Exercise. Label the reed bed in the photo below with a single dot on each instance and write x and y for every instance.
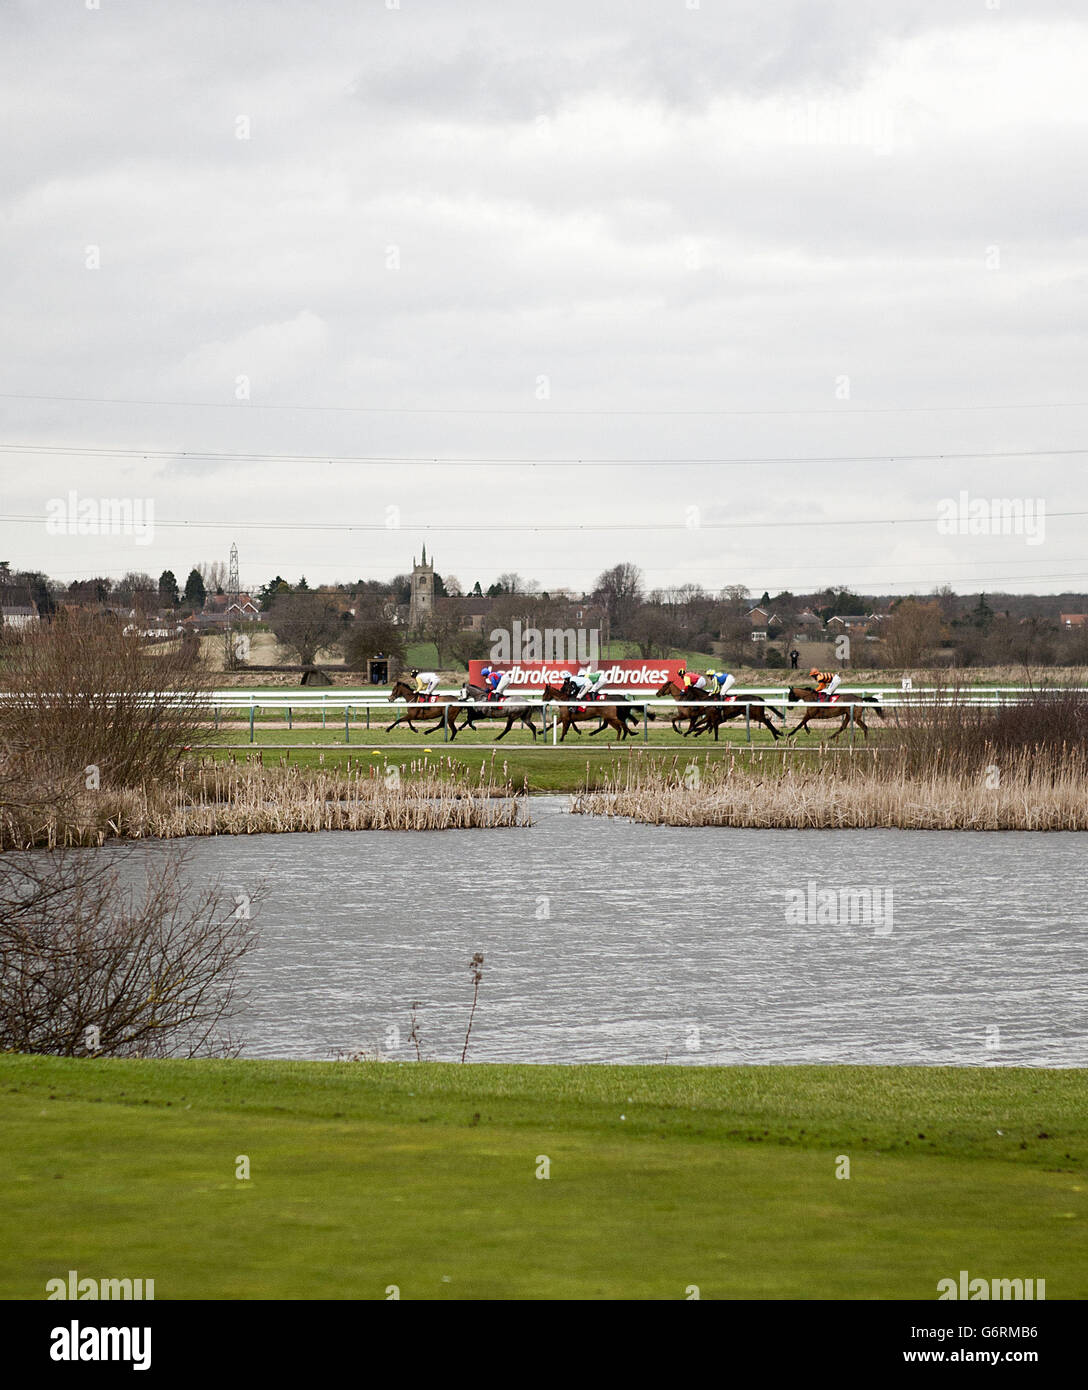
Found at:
(211, 798)
(1022, 792)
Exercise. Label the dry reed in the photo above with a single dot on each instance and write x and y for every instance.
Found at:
(1016, 793)
(250, 799)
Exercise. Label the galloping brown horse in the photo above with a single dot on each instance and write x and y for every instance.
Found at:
(421, 709)
(831, 709)
(713, 716)
(612, 716)
(512, 711)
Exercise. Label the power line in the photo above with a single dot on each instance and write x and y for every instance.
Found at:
(738, 460)
(529, 527)
(545, 412)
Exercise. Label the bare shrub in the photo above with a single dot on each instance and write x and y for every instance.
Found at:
(93, 965)
(81, 693)
(1045, 729)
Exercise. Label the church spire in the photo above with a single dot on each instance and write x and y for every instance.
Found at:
(423, 561)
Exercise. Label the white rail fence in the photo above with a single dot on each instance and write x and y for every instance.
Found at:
(225, 703)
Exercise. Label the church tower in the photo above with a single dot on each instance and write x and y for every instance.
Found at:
(421, 607)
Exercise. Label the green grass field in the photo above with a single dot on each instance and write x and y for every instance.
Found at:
(543, 769)
(367, 1175)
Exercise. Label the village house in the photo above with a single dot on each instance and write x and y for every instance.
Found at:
(17, 607)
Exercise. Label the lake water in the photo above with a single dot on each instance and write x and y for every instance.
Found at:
(611, 942)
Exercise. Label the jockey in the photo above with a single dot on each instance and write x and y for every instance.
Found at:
(495, 682)
(720, 683)
(692, 680)
(587, 684)
(827, 682)
(426, 683)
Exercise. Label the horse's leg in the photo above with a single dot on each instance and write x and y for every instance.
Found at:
(528, 719)
(803, 723)
(838, 731)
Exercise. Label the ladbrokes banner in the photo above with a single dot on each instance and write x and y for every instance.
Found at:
(618, 675)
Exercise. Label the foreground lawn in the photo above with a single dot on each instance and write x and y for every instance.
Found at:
(366, 1175)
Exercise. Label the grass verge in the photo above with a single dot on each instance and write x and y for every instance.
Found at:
(366, 1175)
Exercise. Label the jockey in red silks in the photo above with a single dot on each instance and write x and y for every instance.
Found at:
(495, 682)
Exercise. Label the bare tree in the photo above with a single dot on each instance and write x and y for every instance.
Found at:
(93, 964)
(215, 574)
(651, 629)
(137, 590)
(86, 695)
(306, 623)
(736, 598)
(620, 590)
(910, 631)
(374, 633)
(467, 644)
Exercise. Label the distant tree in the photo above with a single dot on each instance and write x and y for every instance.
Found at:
(451, 585)
(195, 593)
(440, 628)
(736, 598)
(650, 627)
(306, 623)
(467, 644)
(274, 589)
(401, 586)
(947, 601)
(137, 590)
(372, 634)
(214, 573)
(477, 592)
(90, 591)
(302, 587)
(41, 590)
(910, 631)
(983, 615)
(619, 589)
(168, 589)
(835, 602)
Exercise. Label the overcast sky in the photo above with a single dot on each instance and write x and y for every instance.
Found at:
(582, 230)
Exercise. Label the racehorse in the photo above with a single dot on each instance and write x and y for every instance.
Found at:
(831, 709)
(420, 709)
(611, 715)
(512, 711)
(717, 714)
